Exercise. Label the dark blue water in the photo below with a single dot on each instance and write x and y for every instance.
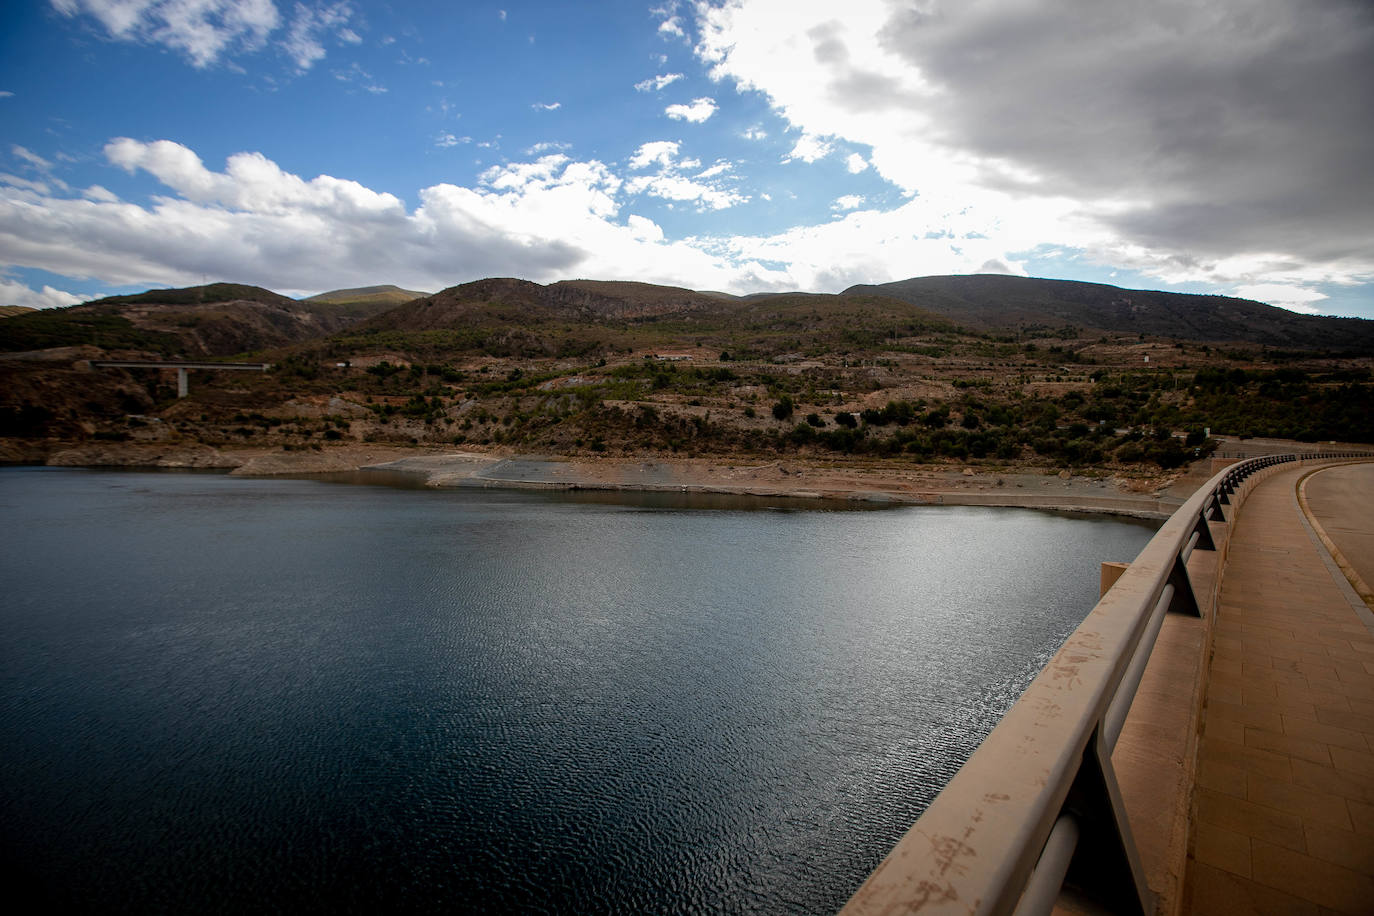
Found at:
(225, 695)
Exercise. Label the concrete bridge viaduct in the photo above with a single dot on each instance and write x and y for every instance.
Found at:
(182, 367)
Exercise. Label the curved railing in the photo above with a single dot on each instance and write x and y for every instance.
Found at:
(1038, 800)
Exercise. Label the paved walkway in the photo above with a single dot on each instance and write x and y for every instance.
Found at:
(1284, 804)
(1342, 499)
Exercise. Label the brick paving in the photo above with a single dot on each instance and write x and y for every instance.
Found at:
(1283, 810)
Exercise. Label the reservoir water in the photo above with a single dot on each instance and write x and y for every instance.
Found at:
(232, 695)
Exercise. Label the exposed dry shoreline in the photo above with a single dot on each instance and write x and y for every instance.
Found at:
(788, 477)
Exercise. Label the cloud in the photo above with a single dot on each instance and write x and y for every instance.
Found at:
(671, 26)
(31, 158)
(662, 152)
(12, 292)
(6, 94)
(26, 184)
(34, 163)
(354, 73)
(446, 140)
(848, 202)
(547, 106)
(657, 83)
(1225, 142)
(855, 163)
(1293, 298)
(809, 149)
(670, 183)
(546, 219)
(697, 112)
(202, 30)
(206, 31)
(304, 42)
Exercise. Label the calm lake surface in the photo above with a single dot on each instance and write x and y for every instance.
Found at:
(233, 695)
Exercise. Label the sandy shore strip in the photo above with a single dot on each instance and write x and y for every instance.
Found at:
(852, 481)
(796, 479)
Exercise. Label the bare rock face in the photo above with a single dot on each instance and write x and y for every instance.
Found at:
(51, 400)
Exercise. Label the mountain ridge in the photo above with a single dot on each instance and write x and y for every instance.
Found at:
(222, 319)
(1008, 303)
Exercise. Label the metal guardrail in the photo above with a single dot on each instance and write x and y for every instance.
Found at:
(1038, 801)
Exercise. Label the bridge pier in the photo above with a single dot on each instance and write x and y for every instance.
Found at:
(181, 366)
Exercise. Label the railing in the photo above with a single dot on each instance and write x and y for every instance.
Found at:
(1038, 801)
(1306, 456)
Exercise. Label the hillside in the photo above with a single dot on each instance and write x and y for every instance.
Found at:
(12, 311)
(1005, 303)
(508, 317)
(211, 294)
(635, 371)
(510, 300)
(220, 319)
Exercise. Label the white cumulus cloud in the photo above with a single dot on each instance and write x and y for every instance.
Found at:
(12, 292)
(670, 182)
(657, 82)
(547, 219)
(697, 112)
(810, 148)
(1293, 298)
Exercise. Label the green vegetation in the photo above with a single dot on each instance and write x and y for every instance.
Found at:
(63, 328)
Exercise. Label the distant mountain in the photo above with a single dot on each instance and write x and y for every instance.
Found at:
(10, 311)
(364, 301)
(387, 291)
(1006, 303)
(220, 319)
(514, 300)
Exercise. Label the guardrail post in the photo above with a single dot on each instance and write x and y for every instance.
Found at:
(1105, 864)
(1204, 534)
(1184, 600)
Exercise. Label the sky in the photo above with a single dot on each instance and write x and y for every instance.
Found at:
(733, 145)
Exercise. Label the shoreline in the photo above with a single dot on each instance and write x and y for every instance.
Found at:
(785, 478)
